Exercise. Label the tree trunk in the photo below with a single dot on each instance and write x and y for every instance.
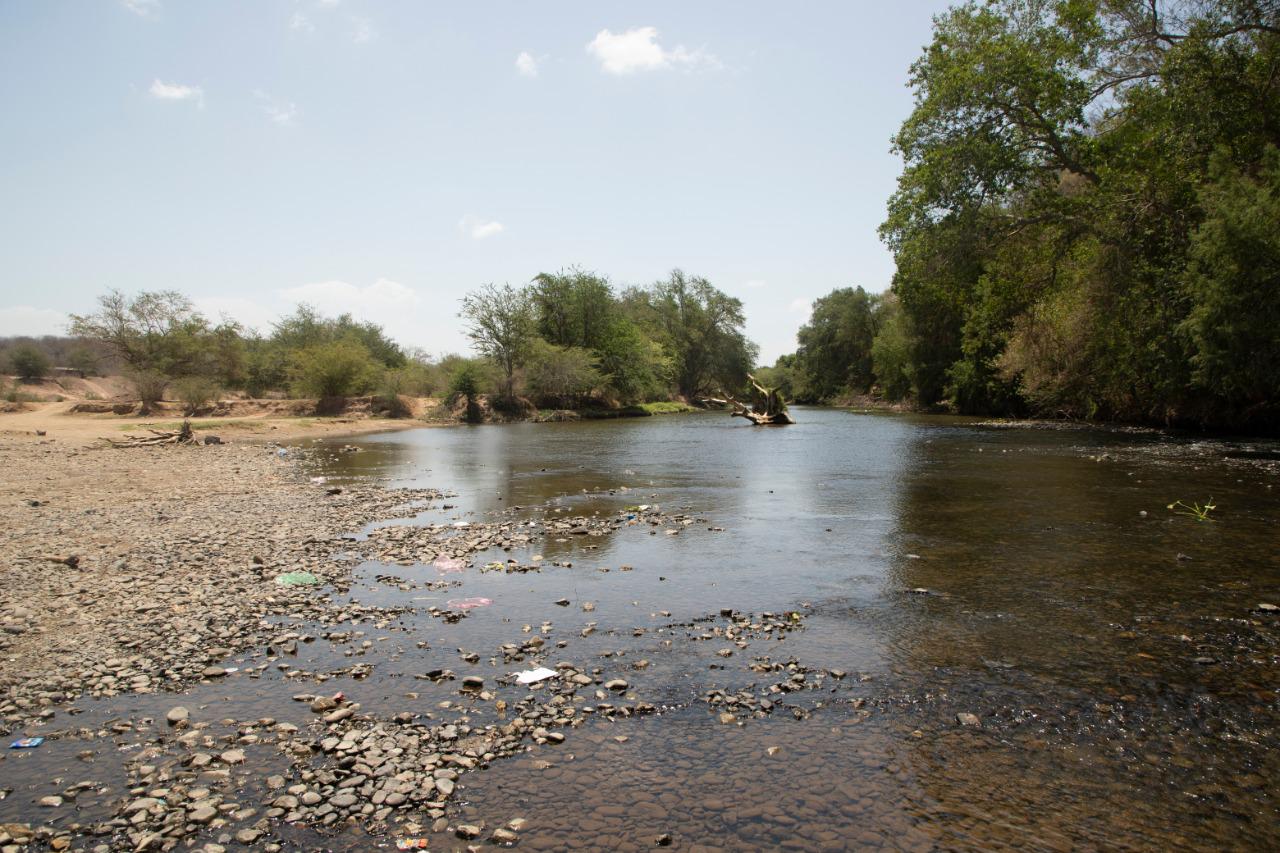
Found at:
(767, 406)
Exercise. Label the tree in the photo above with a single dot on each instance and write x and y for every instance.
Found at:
(701, 329)
(1235, 278)
(338, 369)
(636, 368)
(572, 308)
(28, 361)
(501, 327)
(464, 384)
(834, 353)
(561, 377)
(154, 331)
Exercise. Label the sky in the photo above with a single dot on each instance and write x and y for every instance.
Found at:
(383, 158)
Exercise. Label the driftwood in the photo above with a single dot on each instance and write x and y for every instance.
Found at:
(767, 406)
(180, 436)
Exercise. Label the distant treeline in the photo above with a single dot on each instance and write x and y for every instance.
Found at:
(1088, 223)
(565, 340)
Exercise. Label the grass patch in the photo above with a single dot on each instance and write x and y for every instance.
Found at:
(666, 407)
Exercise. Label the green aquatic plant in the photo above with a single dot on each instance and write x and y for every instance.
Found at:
(1196, 511)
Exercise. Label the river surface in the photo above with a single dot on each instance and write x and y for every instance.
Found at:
(1123, 682)
(998, 637)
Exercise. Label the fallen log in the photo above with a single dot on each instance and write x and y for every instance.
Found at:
(767, 406)
(157, 437)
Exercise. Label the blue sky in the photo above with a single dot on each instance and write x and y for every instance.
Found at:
(384, 158)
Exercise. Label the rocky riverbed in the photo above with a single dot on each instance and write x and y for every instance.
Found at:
(245, 647)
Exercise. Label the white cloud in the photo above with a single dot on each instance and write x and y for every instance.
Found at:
(300, 21)
(176, 92)
(526, 64)
(637, 49)
(756, 284)
(142, 8)
(364, 31)
(330, 3)
(26, 320)
(479, 228)
(281, 113)
(800, 305)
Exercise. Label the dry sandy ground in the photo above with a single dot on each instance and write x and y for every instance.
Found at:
(59, 422)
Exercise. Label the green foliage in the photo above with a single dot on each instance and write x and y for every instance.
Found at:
(699, 327)
(1085, 223)
(891, 350)
(561, 377)
(636, 367)
(28, 362)
(158, 332)
(340, 368)
(1234, 277)
(501, 327)
(834, 353)
(573, 308)
(782, 376)
(306, 328)
(196, 393)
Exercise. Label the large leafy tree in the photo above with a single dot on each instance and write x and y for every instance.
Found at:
(700, 327)
(834, 352)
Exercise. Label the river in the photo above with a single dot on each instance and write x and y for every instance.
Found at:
(1123, 683)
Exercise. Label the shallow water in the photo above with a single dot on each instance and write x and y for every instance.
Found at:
(1125, 685)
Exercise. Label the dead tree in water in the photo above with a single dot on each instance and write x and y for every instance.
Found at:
(767, 406)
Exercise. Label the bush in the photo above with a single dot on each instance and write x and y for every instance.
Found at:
(82, 361)
(29, 362)
(465, 385)
(148, 386)
(561, 376)
(338, 369)
(196, 394)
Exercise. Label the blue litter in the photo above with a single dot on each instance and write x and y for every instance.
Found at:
(26, 743)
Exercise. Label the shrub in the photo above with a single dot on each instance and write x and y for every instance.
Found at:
(465, 385)
(196, 393)
(338, 369)
(28, 362)
(561, 376)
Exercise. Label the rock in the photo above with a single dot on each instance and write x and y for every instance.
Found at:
(248, 836)
(202, 814)
(966, 719)
(1263, 607)
(342, 801)
(445, 787)
(467, 830)
(728, 719)
(323, 704)
(564, 602)
(51, 802)
(177, 715)
(233, 756)
(214, 672)
(618, 684)
(503, 835)
(472, 683)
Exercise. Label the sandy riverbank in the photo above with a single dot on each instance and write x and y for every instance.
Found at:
(58, 421)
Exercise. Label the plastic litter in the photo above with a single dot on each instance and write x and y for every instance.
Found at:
(282, 452)
(26, 743)
(412, 843)
(469, 603)
(318, 480)
(448, 564)
(297, 579)
(533, 676)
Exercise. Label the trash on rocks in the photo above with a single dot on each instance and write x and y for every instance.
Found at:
(469, 603)
(297, 579)
(282, 452)
(449, 564)
(319, 481)
(533, 676)
(26, 743)
(412, 843)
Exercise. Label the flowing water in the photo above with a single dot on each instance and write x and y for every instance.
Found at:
(1122, 680)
